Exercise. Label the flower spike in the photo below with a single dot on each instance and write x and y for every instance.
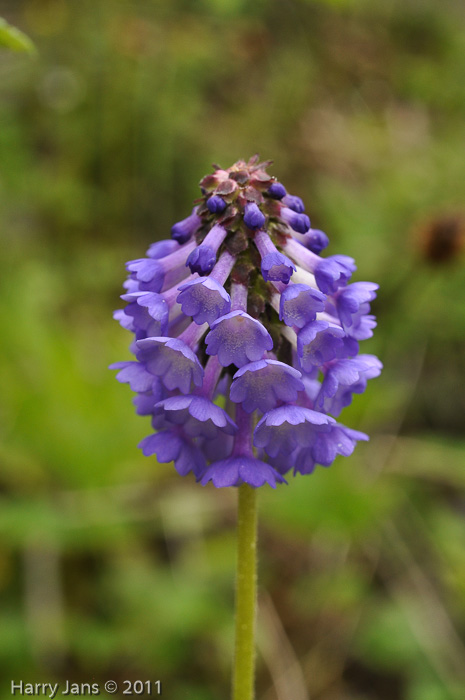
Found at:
(246, 339)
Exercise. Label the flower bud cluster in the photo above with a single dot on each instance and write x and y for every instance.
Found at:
(246, 341)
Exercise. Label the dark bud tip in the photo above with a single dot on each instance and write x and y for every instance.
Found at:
(253, 217)
(216, 204)
(277, 191)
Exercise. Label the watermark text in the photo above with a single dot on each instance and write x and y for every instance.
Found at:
(51, 690)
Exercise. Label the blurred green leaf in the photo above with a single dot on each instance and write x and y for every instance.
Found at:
(13, 38)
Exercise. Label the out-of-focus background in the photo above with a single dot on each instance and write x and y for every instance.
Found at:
(113, 567)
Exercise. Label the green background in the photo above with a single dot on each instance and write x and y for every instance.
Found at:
(113, 567)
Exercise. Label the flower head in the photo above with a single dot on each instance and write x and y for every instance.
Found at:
(245, 339)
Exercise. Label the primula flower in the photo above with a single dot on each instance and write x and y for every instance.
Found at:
(245, 338)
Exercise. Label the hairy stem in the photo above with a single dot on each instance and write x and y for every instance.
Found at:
(246, 595)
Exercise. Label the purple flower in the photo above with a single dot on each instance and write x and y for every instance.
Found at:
(294, 203)
(147, 270)
(283, 429)
(214, 342)
(253, 217)
(155, 304)
(216, 204)
(161, 249)
(352, 299)
(320, 341)
(124, 320)
(277, 191)
(262, 384)
(172, 446)
(303, 461)
(282, 464)
(149, 310)
(304, 257)
(218, 448)
(134, 374)
(172, 360)
(145, 401)
(204, 299)
(362, 324)
(183, 230)
(203, 258)
(277, 268)
(340, 440)
(334, 272)
(299, 305)
(237, 339)
(298, 222)
(199, 416)
(343, 378)
(315, 240)
(235, 471)
(241, 466)
(153, 275)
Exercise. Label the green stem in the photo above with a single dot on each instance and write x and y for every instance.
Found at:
(246, 595)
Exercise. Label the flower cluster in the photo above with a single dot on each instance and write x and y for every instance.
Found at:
(246, 341)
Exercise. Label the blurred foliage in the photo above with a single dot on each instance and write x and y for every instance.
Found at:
(112, 566)
(13, 38)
